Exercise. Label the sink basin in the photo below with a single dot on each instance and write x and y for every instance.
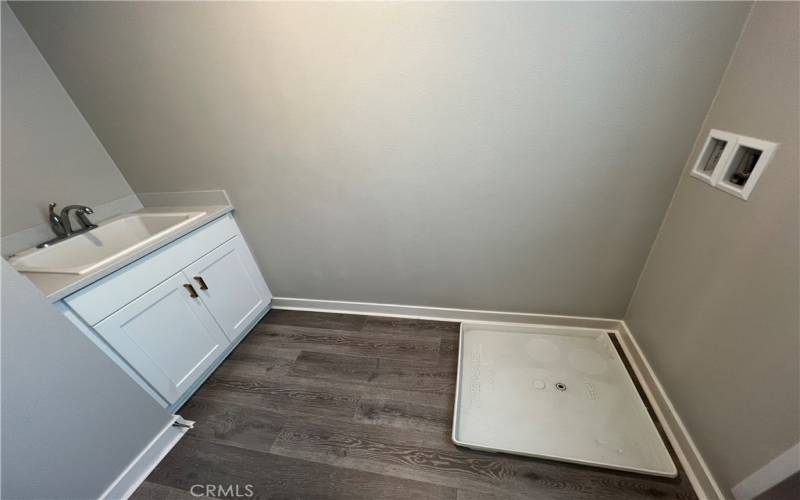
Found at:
(102, 246)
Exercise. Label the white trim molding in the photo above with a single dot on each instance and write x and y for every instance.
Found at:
(439, 313)
(773, 473)
(697, 471)
(144, 463)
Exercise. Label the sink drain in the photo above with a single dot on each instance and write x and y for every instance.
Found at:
(561, 386)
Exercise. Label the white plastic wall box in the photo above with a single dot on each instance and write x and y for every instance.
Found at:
(724, 154)
(705, 167)
(175, 314)
(764, 150)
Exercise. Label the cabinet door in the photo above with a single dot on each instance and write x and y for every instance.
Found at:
(230, 285)
(167, 336)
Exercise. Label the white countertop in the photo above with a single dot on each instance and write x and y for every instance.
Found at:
(57, 286)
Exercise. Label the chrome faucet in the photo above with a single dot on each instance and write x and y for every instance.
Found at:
(81, 212)
(56, 223)
(61, 225)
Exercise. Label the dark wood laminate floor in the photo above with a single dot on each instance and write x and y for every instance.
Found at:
(334, 406)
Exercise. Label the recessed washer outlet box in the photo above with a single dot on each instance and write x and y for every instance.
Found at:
(733, 163)
(716, 151)
(748, 161)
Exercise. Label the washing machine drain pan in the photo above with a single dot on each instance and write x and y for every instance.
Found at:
(553, 392)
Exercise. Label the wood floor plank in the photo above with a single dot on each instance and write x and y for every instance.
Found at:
(194, 461)
(407, 326)
(257, 365)
(327, 321)
(253, 371)
(284, 398)
(335, 367)
(448, 352)
(344, 342)
(476, 495)
(270, 357)
(155, 491)
(395, 454)
(435, 399)
(404, 414)
(232, 424)
(389, 373)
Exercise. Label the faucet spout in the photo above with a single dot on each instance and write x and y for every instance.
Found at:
(81, 213)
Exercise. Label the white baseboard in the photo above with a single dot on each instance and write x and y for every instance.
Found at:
(696, 469)
(144, 463)
(773, 473)
(689, 456)
(439, 313)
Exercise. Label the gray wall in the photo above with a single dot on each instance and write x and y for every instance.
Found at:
(716, 310)
(494, 156)
(49, 151)
(72, 420)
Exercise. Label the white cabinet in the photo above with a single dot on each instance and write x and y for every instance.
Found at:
(171, 317)
(167, 336)
(228, 283)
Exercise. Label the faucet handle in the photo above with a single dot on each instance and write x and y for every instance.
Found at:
(57, 223)
(81, 213)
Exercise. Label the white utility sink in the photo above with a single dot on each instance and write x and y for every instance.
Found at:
(103, 245)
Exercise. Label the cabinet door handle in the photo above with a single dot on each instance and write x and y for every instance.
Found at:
(202, 282)
(192, 291)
